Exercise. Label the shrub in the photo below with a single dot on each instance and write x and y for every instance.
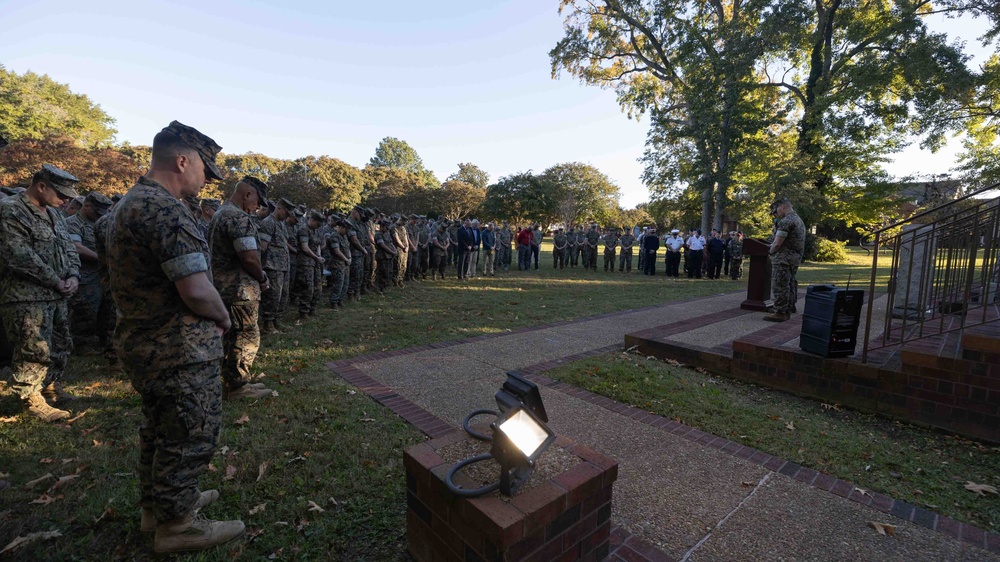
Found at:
(821, 249)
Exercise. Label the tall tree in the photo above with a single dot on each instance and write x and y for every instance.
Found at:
(472, 175)
(457, 199)
(583, 192)
(396, 190)
(101, 169)
(34, 106)
(522, 197)
(397, 154)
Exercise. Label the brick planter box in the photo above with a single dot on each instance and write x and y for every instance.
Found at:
(566, 517)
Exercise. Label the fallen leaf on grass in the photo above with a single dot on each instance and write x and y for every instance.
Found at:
(4, 475)
(883, 528)
(314, 507)
(243, 419)
(230, 472)
(274, 394)
(46, 499)
(99, 443)
(253, 532)
(89, 430)
(67, 461)
(109, 512)
(76, 417)
(790, 426)
(831, 407)
(981, 489)
(37, 481)
(262, 469)
(47, 461)
(277, 553)
(862, 492)
(30, 538)
(211, 468)
(8, 419)
(259, 508)
(62, 481)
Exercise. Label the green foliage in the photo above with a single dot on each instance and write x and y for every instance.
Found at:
(396, 154)
(824, 250)
(396, 190)
(102, 169)
(320, 182)
(583, 193)
(457, 199)
(34, 107)
(522, 197)
(472, 175)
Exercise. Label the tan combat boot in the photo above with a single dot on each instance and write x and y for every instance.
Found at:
(247, 391)
(38, 407)
(148, 522)
(270, 327)
(55, 392)
(194, 532)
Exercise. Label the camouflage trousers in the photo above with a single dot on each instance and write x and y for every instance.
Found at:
(439, 261)
(240, 343)
(558, 258)
(308, 286)
(624, 261)
(574, 255)
(736, 268)
(182, 410)
(383, 274)
(368, 277)
(107, 317)
(84, 306)
(356, 274)
(503, 256)
(339, 280)
(400, 270)
(423, 261)
(784, 287)
(412, 266)
(274, 301)
(293, 269)
(609, 260)
(39, 335)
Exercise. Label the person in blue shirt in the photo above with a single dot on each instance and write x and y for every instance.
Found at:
(650, 244)
(716, 252)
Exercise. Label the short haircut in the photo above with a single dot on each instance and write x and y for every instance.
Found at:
(39, 177)
(167, 145)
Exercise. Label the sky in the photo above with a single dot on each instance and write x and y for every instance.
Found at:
(460, 81)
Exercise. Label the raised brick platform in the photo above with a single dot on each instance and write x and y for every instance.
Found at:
(567, 517)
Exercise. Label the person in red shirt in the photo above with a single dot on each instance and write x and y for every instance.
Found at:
(524, 249)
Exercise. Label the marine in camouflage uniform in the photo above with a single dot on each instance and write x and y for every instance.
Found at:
(412, 269)
(39, 269)
(736, 257)
(610, 247)
(168, 338)
(340, 251)
(440, 243)
(593, 242)
(276, 265)
(309, 277)
(423, 247)
(453, 248)
(356, 234)
(385, 255)
(786, 254)
(367, 238)
(625, 258)
(238, 276)
(572, 248)
(402, 242)
(291, 234)
(107, 315)
(504, 238)
(86, 302)
(559, 250)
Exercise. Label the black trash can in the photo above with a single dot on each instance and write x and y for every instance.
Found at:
(830, 320)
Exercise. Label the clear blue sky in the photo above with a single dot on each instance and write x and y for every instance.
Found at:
(461, 81)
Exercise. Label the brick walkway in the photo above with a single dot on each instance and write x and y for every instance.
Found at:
(682, 494)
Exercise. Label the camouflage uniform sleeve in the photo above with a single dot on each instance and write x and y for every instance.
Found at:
(75, 229)
(784, 227)
(241, 230)
(71, 253)
(181, 246)
(17, 253)
(265, 231)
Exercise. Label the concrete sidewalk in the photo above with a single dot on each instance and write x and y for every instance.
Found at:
(682, 494)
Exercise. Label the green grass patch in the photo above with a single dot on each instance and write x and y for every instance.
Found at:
(321, 438)
(923, 467)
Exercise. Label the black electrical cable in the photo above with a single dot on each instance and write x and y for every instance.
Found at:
(474, 433)
(474, 492)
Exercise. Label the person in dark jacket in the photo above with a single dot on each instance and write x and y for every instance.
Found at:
(466, 241)
(650, 244)
(716, 251)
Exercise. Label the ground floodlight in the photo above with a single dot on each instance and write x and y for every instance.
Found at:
(519, 438)
(519, 391)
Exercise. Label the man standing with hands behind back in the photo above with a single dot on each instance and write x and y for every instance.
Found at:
(169, 338)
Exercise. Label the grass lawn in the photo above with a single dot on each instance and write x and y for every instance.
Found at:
(923, 467)
(322, 441)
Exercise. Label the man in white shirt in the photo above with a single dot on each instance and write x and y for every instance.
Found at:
(673, 243)
(696, 248)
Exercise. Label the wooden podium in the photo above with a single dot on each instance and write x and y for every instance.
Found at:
(759, 280)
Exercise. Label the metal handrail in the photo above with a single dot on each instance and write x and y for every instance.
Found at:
(921, 214)
(949, 274)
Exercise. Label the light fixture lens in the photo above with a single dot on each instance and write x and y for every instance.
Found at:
(524, 432)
